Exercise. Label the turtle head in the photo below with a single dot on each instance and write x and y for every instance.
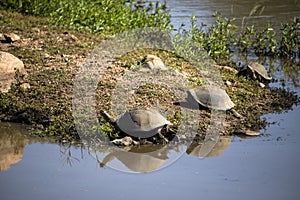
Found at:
(251, 71)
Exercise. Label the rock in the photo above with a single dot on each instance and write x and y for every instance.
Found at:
(154, 62)
(262, 85)
(183, 137)
(227, 68)
(252, 133)
(25, 86)
(2, 38)
(36, 30)
(73, 37)
(247, 133)
(125, 141)
(228, 83)
(11, 37)
(8, 65)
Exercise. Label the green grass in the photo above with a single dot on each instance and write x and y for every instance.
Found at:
(104, 16)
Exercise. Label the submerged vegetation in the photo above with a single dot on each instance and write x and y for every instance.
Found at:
(57, 35)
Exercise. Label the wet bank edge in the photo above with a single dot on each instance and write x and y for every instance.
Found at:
(52, 67)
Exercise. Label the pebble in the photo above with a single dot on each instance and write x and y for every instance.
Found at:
(262, 85)
(248, 133)
(154, 62)
(25, 86)
(11, 37)
(125, 141)
(228, 83)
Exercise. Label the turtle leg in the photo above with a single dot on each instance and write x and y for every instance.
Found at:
(163, 137)
(107, 159)
(235, 113)
(108, 117)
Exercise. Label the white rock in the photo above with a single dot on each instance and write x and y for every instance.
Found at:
(11, 37)
(262, 85)
(126, 141)
(228, 83)
(154, 62)
(8, 65)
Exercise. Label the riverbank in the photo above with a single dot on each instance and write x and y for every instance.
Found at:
(52, 57)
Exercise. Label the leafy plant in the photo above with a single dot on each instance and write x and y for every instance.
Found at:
(95, 15)
(244, 42)
(219, 37)
(223, 38)
(265, 42)
(290, 41)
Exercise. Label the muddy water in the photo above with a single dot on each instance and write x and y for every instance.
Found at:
(265, 167)
(274, 12)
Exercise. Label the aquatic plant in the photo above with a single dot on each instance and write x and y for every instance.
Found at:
(217, 39)
(224, 37)
(245, 39)
(265, 42)
(290, 41)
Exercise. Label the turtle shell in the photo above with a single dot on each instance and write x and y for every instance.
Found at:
(211, 97)
(142, 123)
(259, 69)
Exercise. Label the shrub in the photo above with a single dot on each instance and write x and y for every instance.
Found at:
(108, 16)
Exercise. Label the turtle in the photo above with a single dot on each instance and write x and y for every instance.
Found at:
(140, 123)
(212, 97)
(256, 71)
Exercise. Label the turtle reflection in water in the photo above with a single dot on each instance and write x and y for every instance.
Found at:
(145, 158)
(141, 123)
(212, 97)
(202, 149)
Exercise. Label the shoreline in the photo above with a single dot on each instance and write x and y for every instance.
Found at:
(52, 57)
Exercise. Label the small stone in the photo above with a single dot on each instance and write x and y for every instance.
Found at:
(73, 37)
(36, 30)
(262, 85)
(248, 133)
(135, 142)
(236, 114)
(227, 68)
(154, 62)
(183, 137)
(40, 126)
(25, 86)
(252, 133)
(125, 141)
(228, 83)
(11, 37)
